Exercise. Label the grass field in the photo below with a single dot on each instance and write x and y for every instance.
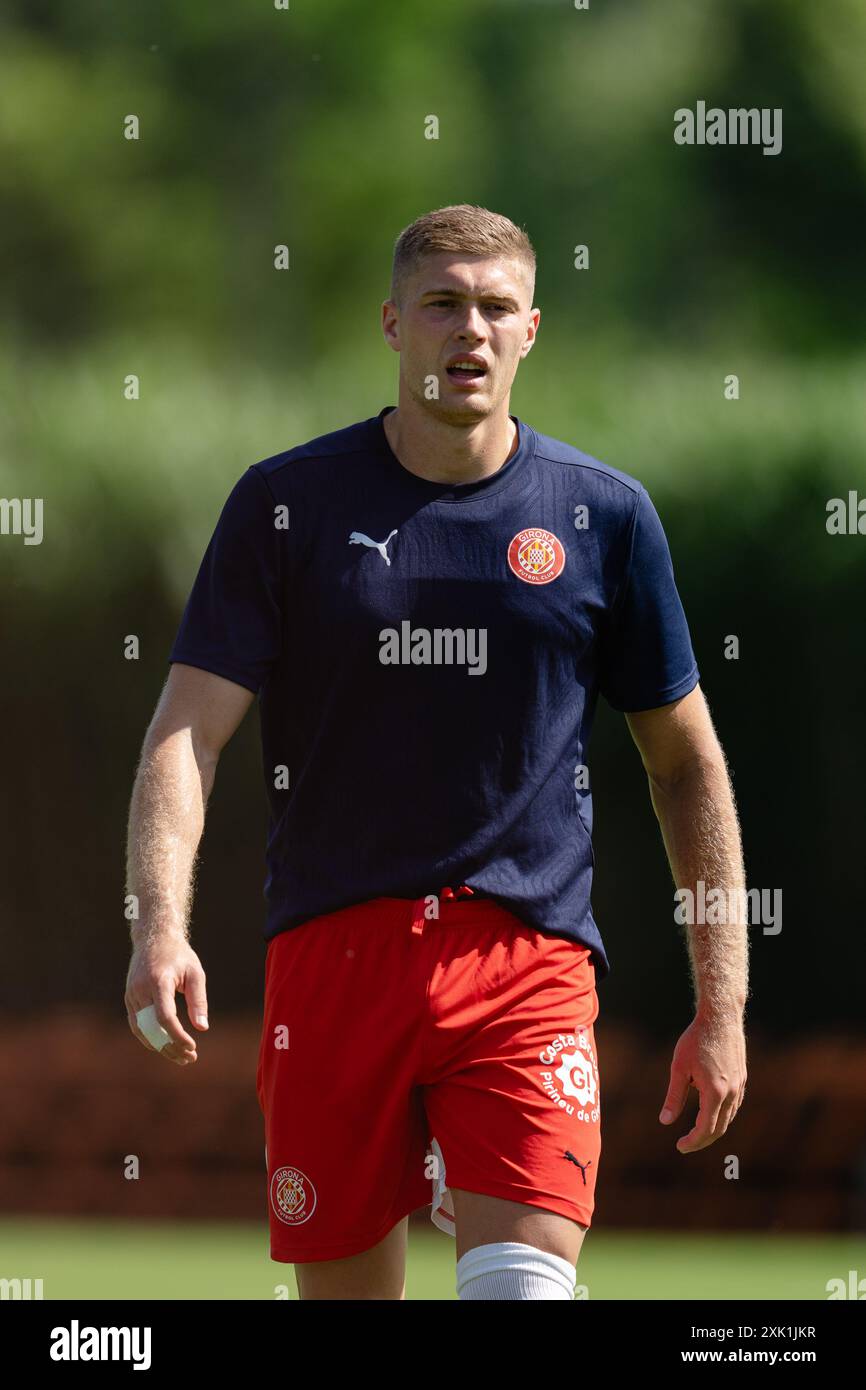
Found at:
(103, 1259)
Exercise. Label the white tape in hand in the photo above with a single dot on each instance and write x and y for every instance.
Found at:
(149, 1025)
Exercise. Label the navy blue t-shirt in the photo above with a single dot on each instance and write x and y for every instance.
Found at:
(427, 660)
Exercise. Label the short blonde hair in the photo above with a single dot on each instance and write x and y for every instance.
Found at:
(465, 228)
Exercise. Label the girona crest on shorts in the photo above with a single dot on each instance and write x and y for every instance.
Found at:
(293, 1196)
(576, 1076)
(536, 556)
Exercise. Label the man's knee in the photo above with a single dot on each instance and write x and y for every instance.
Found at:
(483, 1220)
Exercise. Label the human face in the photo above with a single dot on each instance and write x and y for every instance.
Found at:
(462, 308)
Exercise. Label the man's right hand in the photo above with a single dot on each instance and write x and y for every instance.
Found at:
(158, 971)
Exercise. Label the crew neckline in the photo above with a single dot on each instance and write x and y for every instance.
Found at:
(434, 491)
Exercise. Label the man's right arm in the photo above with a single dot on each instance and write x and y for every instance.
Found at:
(197, 714)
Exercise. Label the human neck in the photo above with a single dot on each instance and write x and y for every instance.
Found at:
(444, 453)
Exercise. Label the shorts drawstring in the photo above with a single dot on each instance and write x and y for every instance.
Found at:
(419, 906)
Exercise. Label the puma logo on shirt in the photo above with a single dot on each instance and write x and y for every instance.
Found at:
(358, 538)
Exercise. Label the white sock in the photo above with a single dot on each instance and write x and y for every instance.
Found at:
(511, 1270)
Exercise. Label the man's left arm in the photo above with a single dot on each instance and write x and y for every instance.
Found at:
(693, 800)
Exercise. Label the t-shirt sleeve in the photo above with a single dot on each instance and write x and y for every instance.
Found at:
(647, 658)
(232, 623)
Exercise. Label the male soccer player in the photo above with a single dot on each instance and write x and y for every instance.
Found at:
(428, 604)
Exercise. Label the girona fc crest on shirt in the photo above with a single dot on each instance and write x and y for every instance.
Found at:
(536, 555)
(293, 1196)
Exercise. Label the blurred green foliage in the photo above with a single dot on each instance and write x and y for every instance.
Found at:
(306, 127)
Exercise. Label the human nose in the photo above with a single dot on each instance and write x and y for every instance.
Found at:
(472, 324)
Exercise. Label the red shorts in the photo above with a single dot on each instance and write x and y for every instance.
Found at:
(397, 1051)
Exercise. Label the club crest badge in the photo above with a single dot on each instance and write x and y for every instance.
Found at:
(536, 556)
(293, 1196)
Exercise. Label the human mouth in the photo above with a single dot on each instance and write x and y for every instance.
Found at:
(467, 370)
